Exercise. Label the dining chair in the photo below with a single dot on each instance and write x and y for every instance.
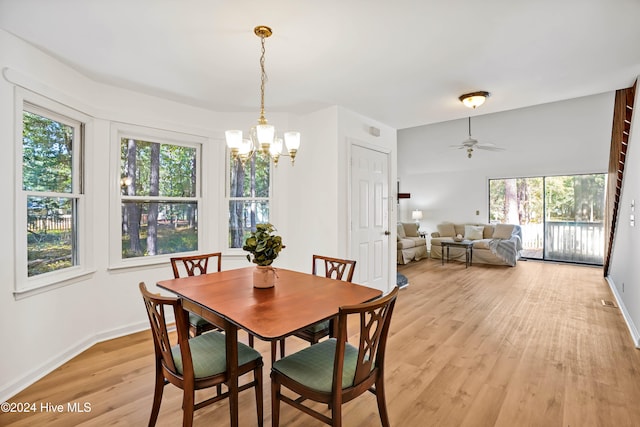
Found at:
(334, 268)
(194, 265)
(194, 363)
(333, 371)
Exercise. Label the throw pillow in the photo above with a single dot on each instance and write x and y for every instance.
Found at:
(446, 230)
(473, 232)
(488, 231)
(401, 234)
(410, 229)
(503, 231)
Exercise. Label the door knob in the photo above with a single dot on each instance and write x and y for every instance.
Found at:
(387, 232)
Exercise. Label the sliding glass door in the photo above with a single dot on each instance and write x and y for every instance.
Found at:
(562, 217)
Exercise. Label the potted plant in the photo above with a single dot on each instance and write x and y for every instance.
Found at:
(263, 247)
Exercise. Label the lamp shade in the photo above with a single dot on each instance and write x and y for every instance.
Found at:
(292, 140)
(276, 147)
(474, 99)
(245, 147)
(416, 214)
(234, 138)
(265, 134)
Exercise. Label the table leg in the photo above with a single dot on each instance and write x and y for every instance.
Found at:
(470, 256)
(231, 342)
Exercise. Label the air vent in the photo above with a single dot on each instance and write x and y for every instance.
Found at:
(609, 304)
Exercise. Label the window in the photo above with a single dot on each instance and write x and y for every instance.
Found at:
(562, 217)
(159, 194)
(50, 199)
(249, 196)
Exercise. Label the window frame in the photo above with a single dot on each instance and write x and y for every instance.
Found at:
(228, 199)
(161, 136)
(25, 286)
(546, 221)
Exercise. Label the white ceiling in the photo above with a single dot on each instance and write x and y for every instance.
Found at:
(401, 62)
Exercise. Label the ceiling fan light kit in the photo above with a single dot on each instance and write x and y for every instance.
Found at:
(474, 99)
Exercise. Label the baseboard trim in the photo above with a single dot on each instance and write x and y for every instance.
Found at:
(635, 335)
(10, 390)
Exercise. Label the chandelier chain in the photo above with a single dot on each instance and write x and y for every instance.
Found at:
(263, 78)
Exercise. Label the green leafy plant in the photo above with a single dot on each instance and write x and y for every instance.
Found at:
(263, 245)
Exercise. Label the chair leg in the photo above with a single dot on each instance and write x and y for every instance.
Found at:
(257, 376)
(336, 413)
(382, 404)
(275, 403)
(157, 395)
(188, 402)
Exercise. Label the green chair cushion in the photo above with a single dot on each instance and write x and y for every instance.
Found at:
(320, 326)
(313, 366)
(196, 320)
(209, 354)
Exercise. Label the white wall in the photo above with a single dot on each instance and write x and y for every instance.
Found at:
(311, 226)
(624, 271)
(42, 331)
(319, 186)
(567, 137)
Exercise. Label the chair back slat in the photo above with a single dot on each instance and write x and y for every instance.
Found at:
(335, 268)
(195, 264)
(156, 306)
(374, 320)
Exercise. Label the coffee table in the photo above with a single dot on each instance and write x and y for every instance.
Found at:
(467, 245)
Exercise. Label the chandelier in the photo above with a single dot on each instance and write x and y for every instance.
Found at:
(262, 136)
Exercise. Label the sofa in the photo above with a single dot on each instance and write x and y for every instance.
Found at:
(411, 246)
(497, 244)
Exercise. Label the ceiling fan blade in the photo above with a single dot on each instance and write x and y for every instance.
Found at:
(458, 146)
(489, 147)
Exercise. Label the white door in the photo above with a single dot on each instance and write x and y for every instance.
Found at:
(370, 216)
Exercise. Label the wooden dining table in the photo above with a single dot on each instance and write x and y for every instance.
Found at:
(229, 300)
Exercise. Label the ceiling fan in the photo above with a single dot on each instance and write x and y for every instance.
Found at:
(471, 143)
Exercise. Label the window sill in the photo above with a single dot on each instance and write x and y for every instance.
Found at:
(142, 262)
(71, 279)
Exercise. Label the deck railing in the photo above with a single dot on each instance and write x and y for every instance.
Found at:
(572, 241)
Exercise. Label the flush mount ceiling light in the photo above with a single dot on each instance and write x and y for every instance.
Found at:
(474, 99)
(262, 136)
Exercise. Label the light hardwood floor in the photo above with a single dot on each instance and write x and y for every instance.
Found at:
(483, 346)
